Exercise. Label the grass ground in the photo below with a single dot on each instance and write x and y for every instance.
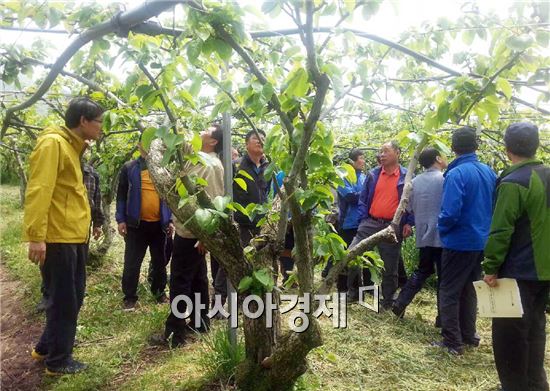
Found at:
(375, 352)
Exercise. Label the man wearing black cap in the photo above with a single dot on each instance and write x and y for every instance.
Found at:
(519, 247)
(463, 224)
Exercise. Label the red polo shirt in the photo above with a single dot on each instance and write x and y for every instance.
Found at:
(385, 199)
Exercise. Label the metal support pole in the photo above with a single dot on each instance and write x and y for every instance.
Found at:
(228, 184)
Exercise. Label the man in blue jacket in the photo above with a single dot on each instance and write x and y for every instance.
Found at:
(378, 202)
(144, 220)
(463, 224)
(348, 207)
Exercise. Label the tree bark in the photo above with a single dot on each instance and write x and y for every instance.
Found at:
(22, 177)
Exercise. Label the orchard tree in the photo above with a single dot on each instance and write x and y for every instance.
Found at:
(317, 88)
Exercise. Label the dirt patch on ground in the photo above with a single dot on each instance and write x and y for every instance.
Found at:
(19, 331)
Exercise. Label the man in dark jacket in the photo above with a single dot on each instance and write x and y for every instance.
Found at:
(378, 203)
(144, 220)
(463, 224)
(250, 169)
(519, 247)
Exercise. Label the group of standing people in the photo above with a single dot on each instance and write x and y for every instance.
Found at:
(465, 219)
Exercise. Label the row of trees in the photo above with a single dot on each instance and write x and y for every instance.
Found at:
(317, 88)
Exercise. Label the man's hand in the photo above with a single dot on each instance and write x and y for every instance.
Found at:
(37, 252)
(122, 230)
(170, 229)
(201, 249)
(407, 230)
(96, 233)
(491, 280)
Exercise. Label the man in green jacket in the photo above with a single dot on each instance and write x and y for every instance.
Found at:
(519, 247)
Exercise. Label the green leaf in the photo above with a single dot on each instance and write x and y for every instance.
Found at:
(505, 86)
(193, 51)
(172, 140)
(310, 202)
(298, 84)
(468, 36)
(351, 174)
(182, 202)
(245, 174)
(519, 42)
(430, 122)
(196, 142)
(291, 280)
(220, 203)
(268, 6)
(543, 38)
(443, 112)
(201, 181)
(264, 277)
(222, 48)
(147, 137)
(370, 8)
(245, 284)
(204, 218)
(241, 182)
(180, 188)
(442, 147)
(185, 95)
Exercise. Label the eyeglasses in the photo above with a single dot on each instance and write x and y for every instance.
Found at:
(100, 121)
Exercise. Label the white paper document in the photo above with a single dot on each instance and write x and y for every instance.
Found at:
(502, 301)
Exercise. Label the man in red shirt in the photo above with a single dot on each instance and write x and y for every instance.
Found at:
(377, 205)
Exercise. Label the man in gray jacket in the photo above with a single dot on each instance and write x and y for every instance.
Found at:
(425, 204)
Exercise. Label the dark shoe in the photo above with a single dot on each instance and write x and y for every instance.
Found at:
(161, 341)
(474, 343)
(204, 328)
(70, 369)
(452, 351)
(386, 305)
(129, 305)
(398, 310)
(41, 307)
(352, 298)
(158, 340)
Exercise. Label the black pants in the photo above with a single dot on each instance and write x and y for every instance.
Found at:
(219, 278)
(188, 275)
(148, 234)
(429, 263)
(247, 232)
(64, 274)
(402, 278)
(390, 254)
(519, 343)
(457, 297)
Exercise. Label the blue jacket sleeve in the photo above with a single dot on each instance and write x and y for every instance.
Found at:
(122, 195)
(452, 201)
(348, 193)
(363, 209)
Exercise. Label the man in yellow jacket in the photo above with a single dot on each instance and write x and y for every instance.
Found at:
(57, 225)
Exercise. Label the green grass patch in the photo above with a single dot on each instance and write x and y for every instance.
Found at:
(375, 351)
